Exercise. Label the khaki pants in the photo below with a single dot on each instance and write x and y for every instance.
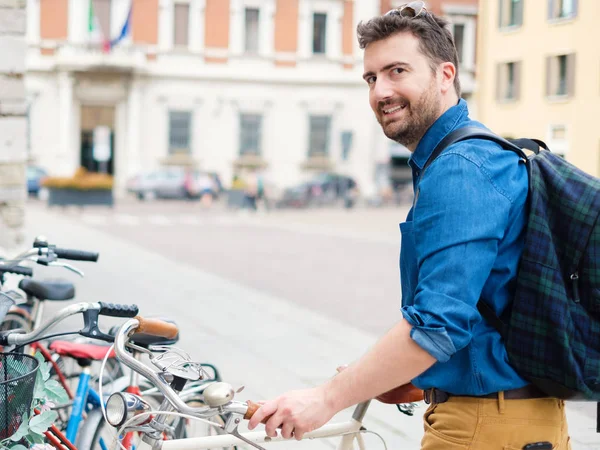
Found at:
(468, 423)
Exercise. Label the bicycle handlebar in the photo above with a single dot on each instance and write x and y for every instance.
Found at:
(90, 312)
(117, 310)
(18, 270)
(75, 255)
(157, 327)
(133, 326)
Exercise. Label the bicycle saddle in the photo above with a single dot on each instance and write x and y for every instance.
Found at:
(81, 351)
(48, 290)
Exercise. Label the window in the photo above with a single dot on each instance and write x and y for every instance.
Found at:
(180, 127)
(508, 81)
(181, 21)
(511, 13)
(319, 33)
(562, 9)
(250, 134)
(558, 139)
(251, 30)
(560, 76)
(459, 40)
(320, 130)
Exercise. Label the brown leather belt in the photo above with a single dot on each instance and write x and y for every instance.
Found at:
(434, 395)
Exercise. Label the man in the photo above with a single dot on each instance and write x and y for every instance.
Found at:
(461, 242)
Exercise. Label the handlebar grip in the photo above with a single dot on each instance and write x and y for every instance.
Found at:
(157, 327)
(252, 408)
(76, 255)
(116, 310)
(18, 270)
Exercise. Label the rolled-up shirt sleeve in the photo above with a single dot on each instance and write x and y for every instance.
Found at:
(459, 217)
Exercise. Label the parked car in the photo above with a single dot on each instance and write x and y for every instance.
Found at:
(172, 182)
(323, 189)
(34, 177)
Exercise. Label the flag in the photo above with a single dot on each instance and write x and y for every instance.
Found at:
(95, 34)
(125, 29)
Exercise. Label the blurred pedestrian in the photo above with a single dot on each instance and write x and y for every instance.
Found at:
(207, 189)
(251, 190)
(461, 243)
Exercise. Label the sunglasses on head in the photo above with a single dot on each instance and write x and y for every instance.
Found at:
(410, 10)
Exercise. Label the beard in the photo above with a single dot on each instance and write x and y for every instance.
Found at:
(418, 117)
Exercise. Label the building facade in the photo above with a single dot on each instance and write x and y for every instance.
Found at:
(13, 125)
(539, 74)
(222, 85)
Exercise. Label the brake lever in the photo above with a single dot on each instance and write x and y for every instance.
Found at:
(68, 267)
(231, 427)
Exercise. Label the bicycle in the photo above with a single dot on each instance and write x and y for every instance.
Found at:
(90, 312)
(28, 314)
(128, 412)
(90, 435)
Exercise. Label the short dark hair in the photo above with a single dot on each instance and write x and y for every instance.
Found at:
(435, 39)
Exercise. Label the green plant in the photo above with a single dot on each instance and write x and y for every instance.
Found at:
(47, 393)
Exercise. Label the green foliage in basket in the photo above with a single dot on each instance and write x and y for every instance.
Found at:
(47, 394)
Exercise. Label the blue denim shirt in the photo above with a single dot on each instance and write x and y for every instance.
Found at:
(462, 241)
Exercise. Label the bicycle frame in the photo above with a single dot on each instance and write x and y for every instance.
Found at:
(349, 431)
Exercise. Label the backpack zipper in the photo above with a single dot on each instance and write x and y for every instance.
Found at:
(575, 280)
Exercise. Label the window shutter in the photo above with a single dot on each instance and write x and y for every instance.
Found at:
(571, 75)
(500, 13)
(181, 25)
(549, 75)
(102, 10)
(575, 2)
(517, 80)
(551, 9)
(499, 95)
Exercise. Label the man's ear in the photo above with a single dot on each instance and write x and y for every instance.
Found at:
(447, 73)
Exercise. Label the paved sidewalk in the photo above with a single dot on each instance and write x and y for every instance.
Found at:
(263, 342)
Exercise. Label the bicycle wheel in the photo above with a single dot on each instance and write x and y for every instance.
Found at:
(95, 433)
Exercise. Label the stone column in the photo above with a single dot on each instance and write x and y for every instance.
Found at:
(65, 110)
(133, 128)
(13, 125)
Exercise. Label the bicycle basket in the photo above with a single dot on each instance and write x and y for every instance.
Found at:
(17, 380)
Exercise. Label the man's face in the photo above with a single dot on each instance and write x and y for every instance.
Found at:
(404, 93)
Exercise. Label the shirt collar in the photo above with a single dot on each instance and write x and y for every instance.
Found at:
(446, 123)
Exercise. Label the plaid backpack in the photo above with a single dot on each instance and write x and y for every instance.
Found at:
(552, 332)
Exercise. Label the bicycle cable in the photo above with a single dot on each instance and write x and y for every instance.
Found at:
(366, 432)
(154, 413)
(50, 336)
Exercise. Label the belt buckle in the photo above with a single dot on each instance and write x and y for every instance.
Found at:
(427, 396)
(434, 395)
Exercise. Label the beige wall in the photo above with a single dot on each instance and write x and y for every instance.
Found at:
(533, 114)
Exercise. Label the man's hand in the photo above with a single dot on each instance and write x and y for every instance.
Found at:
(296, 413)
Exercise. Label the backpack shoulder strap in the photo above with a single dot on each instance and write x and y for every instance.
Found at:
(465, 133)
(516, 146)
